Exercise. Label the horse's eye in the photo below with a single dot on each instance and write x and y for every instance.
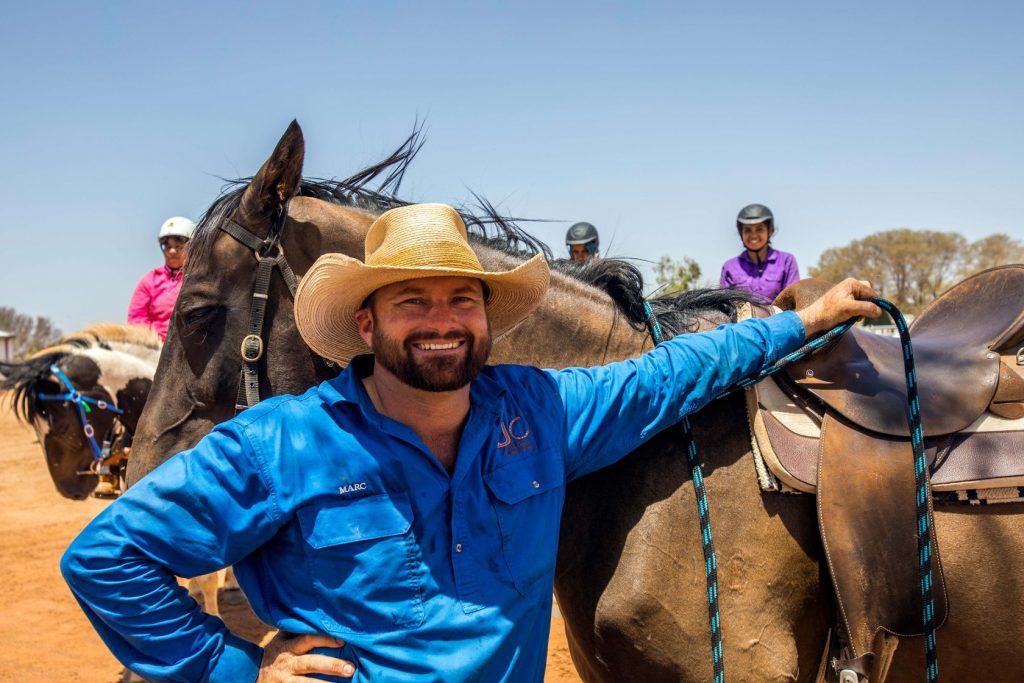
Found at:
(200, 315)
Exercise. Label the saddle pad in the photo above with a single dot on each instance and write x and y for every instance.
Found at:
(988, 454)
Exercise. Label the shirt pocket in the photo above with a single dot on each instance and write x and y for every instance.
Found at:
(770, 284)
(365, 564)
(527, 496)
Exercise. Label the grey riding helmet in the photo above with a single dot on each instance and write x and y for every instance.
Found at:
(752, 214)
(583, 233)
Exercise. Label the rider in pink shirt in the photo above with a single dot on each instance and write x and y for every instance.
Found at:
(154, 297)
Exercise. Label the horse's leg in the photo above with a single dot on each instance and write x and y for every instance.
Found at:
(230, 584)
(233, 592)
(207, 585)
(982, 551)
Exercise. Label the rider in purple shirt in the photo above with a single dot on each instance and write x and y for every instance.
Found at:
(759, 269)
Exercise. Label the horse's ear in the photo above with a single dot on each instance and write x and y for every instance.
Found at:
(275, 183)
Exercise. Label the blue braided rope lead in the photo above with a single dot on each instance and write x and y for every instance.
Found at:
(924, 528)
(710, 562)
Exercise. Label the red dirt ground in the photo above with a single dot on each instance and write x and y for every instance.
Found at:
(44, 637)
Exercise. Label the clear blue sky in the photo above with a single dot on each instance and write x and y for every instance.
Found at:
(656, 121)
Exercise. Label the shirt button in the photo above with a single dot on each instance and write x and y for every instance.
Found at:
(536, 484)
(458, 547)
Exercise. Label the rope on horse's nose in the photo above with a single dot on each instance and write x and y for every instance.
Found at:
(924, 528)
(81, 403)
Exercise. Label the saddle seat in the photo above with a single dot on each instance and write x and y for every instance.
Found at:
(957, 342)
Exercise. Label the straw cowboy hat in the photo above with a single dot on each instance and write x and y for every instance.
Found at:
(415, 241)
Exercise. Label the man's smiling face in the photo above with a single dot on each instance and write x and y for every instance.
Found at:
(432, 333)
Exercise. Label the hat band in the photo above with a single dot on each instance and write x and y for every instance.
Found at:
(434, 256)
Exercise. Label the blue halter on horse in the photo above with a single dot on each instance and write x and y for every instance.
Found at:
(82, 403)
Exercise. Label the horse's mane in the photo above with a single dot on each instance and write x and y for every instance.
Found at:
(619, 279)
(23, 379)
(676, 314)
(102, 335)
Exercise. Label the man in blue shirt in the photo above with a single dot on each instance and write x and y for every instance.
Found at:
(399, 522)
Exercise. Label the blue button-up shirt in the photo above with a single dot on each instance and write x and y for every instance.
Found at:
(339, 520)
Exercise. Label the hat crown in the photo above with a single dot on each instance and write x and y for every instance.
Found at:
(420, 236)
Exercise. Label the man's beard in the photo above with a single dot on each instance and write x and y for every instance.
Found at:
(444, 373)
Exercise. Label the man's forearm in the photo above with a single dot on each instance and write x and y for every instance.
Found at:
(148, 621)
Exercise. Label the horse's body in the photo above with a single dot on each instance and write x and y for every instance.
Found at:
(630, 579)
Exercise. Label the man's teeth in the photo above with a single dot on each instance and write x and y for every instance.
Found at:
(439, 347)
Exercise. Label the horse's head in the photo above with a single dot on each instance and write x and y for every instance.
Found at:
(108, 365)
(57, 423)
(276, 213)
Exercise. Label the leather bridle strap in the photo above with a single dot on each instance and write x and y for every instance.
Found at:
(82, 403)
(252, 346)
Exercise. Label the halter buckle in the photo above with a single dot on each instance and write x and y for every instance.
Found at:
(1020, 356)
(266, 248)
(252, 348)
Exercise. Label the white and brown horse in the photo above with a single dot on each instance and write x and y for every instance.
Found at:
(87, 390)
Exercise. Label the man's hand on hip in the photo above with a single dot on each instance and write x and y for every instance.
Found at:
(844, 301)
(286, 659)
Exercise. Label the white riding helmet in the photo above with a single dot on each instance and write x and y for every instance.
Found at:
(177, 227)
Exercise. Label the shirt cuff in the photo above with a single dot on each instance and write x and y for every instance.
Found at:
(238, 662)
(786, 334)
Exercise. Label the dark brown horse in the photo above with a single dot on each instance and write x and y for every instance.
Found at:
(630, 579)
(110, 363)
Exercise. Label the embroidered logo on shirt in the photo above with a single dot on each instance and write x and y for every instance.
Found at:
(515, 436)
(352, 488)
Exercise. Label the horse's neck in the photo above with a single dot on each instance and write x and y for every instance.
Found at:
(123, 362)
(576, 325)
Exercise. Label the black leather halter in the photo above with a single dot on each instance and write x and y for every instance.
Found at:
(269, 253)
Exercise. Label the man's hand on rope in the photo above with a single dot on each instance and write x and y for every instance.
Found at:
(846, 300)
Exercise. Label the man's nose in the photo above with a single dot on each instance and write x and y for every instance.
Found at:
(442, 314)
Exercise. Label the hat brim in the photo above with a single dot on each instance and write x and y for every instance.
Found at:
(336, 285)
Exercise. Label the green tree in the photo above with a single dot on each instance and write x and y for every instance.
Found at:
(995, 250)
(30, 334)
(673, 277)
(908, 267)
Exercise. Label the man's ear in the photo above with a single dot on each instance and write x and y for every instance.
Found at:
(364, 323)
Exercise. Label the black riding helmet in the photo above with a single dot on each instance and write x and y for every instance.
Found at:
(582, 233)
(752, 214)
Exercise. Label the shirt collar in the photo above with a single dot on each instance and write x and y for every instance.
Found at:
(768, 258)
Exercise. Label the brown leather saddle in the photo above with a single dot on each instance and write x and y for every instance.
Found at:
(842, 434)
